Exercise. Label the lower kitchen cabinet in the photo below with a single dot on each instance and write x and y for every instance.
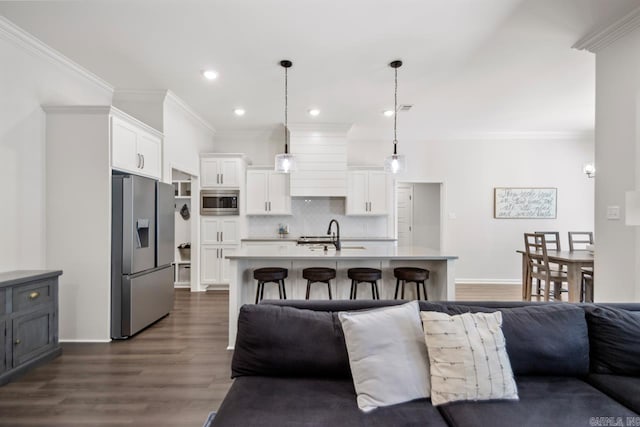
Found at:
(214, 267)
(28, 321)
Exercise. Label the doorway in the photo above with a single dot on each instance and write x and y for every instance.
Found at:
(418, 214)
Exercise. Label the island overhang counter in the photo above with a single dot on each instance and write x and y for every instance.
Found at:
(242, 286)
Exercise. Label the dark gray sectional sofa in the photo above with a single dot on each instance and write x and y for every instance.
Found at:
(575, 365)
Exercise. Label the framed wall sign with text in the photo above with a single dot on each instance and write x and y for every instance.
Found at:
(524, 203)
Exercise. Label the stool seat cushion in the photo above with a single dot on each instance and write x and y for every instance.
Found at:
(364, 274)
(319, 274)
(269, 274)
(411, 273)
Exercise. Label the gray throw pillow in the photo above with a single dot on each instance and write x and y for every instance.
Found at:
(387, 355)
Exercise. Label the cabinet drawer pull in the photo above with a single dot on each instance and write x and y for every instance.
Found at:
(17, 341)
(34, 295)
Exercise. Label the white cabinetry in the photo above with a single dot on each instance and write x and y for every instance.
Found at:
(219, 172)
(367, 193)
(268, 193)
(135, 147)
(219, 237)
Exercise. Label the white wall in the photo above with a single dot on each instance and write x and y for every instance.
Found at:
(617, 264)
(185, 137)
(30, 77)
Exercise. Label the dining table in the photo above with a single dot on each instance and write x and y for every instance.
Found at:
(574, 262)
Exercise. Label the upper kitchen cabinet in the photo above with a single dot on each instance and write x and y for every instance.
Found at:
(221, 171)
(367, 193)
(135, 147)
(268, 193)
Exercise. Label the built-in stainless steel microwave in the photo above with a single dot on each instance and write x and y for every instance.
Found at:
(219, 202)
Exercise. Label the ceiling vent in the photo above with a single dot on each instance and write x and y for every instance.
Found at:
(404, 108)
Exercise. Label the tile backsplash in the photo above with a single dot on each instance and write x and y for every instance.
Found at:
(310, 217)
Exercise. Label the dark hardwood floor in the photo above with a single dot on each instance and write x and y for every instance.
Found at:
(172, 374)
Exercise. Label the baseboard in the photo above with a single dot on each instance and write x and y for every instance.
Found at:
(224, 287)
(84, 341)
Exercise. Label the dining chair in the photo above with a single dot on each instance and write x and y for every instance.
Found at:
(578, 240)
(552, 238)
(586, 285)
(539, 268)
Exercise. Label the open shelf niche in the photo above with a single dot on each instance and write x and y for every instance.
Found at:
(182, 258)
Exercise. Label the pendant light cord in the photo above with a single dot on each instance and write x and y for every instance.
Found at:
(286, 107)
(395, 113)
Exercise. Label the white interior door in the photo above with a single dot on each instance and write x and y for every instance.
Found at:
(405, 214)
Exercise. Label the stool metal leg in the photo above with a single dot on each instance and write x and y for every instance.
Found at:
(418, 291)
(279, 288)
(395, 295)
(353, 290)
(308, 288)
(424, 289)
(329, 287)
(262, 291)
(284, 289)
(258, 292)
(375, 284)
(373, 291)
(402, 295)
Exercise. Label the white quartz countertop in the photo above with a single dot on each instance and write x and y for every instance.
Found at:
(289, 238)
(347, 253)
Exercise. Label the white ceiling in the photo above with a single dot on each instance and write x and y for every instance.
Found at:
(470, 65)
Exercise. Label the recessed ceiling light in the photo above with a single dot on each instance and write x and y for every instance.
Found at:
(210, 74)
(314, 112)
(388, 113)
(239, 111)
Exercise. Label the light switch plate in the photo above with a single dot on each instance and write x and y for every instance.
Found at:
(613, 212)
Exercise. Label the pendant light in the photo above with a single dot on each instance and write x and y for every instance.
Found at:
(285, 162)
(395, 163)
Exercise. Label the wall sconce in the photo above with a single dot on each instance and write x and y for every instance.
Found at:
(589, 169)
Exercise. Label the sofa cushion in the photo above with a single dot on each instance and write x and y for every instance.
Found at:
(285, 341)
(544, 401)
(624, 389)
(614, 336)
(387, 355)
(467, 357)
(550, 339)
(310, 402)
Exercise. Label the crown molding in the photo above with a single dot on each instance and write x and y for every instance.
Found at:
(170, 96)
(12, 33)
(600, 39)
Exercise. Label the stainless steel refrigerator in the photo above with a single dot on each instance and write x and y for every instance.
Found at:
(142, 250)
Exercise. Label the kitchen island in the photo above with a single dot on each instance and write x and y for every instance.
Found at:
(242, 286)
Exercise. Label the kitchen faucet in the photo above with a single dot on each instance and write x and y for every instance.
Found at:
(335, 239)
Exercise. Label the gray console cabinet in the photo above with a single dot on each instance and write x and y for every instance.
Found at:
(28, 320)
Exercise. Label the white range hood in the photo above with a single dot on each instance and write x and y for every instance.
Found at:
(321, 157)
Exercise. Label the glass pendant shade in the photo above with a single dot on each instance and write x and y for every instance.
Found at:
(395, 163)
(285, 163)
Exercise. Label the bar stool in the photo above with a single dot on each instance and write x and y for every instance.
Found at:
(411, 275)
(270, 275)
(367, 275)
(318, 275)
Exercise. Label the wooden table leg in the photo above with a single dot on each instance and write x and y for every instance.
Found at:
(573, 279)
(526, 291)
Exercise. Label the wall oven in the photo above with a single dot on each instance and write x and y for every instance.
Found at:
(219, 202)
